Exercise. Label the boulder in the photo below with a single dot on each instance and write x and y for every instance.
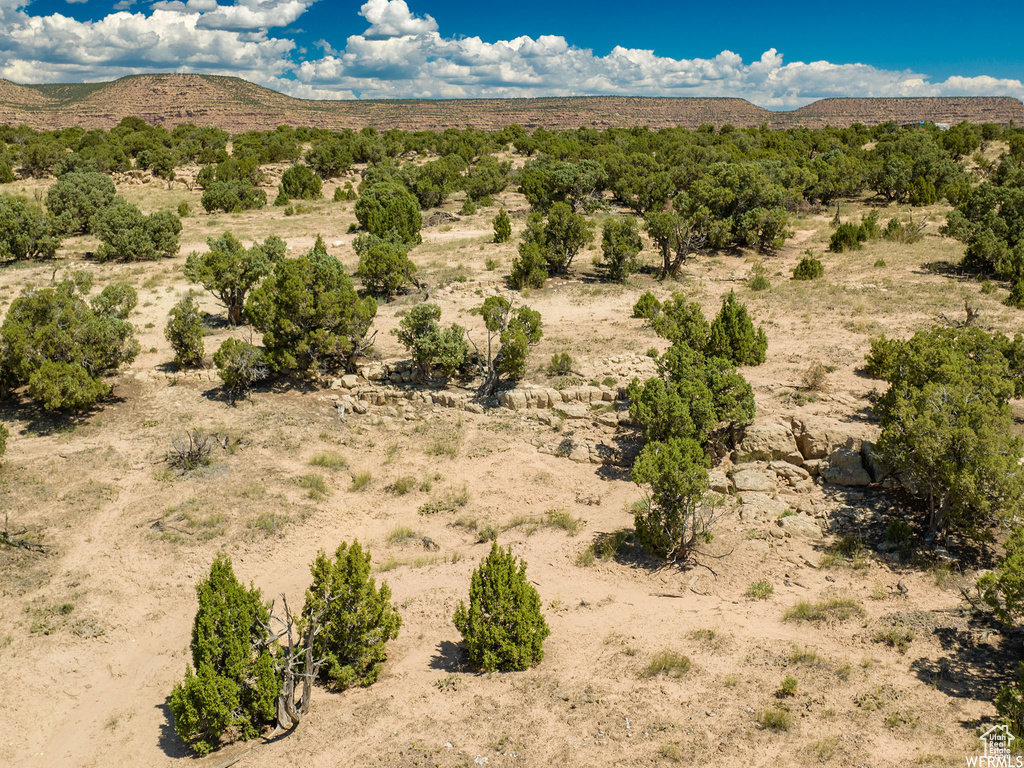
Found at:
(817, 436)
(513, 399)
(789, 471)
(760, 507)
(750, 479)
(800, 526)
(813, 466)
(767, 440)
(349, 381)
(580, 453)
(873, 463)
(844, 467)
(718, 482)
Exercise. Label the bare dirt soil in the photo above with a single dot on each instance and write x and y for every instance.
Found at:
(96, 632)
(237, 105)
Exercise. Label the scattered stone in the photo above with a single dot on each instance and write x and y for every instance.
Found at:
(718, 481)
(474, 408)
(752, 480)
(800, 526)
(579, 453)
(844, 467)
(759, 507)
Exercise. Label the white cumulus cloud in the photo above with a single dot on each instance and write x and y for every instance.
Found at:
(402, 54)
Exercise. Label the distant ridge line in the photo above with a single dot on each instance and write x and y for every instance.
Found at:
(238, 105)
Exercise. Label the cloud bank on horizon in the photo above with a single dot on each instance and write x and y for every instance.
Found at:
(402, 54)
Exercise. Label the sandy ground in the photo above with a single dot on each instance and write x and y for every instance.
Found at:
(96, 633)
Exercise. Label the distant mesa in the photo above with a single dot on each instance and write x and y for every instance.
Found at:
(237, 105)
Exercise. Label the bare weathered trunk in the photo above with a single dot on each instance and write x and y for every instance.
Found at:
(297, 661)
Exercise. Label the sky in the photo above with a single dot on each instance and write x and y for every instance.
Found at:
(776, 55)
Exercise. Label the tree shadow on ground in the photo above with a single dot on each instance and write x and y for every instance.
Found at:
(450, 657)
(40, 422)
(169, 741)
(971, 667)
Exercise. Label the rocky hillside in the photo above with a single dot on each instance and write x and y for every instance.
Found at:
(237, 105)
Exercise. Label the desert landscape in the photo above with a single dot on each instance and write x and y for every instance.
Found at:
(807, 629)
(236, 105)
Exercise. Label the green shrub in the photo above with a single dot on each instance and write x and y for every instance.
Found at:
(126, 234)
(830, 609)
(899, 534)
(869, 226)
(950, 387)
(468, 208)
(502, 227)
(345, 195)
(564, 234)
(184, 331)
(682, 323)
(560, 365)
(647, 306)
(808, 269)
(299, 182)
(528, 268)
(671, 521)
(384, 267)
(905, 232)
(503, 627)
(232, 197)
(1016, 297)
(848, 237)
(315, 485)
(691, 399)
(732, 335)
(231, 682)
(775, 719)
(76, 197)
(358, 621)
(668, 663)
(620, 248)
(788, 687)
(760, 590)
(433, 347)
(329, 460)
(239, 365)
(310, 314)
(1010, 704)
(26, 232)
(758, 280)
(63, 386)
(184, 210)
(229, 270)
(60, 344)
(515, 331)
(360, 480)
(388, 211)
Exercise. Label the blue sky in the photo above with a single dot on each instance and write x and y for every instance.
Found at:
(776, 55)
